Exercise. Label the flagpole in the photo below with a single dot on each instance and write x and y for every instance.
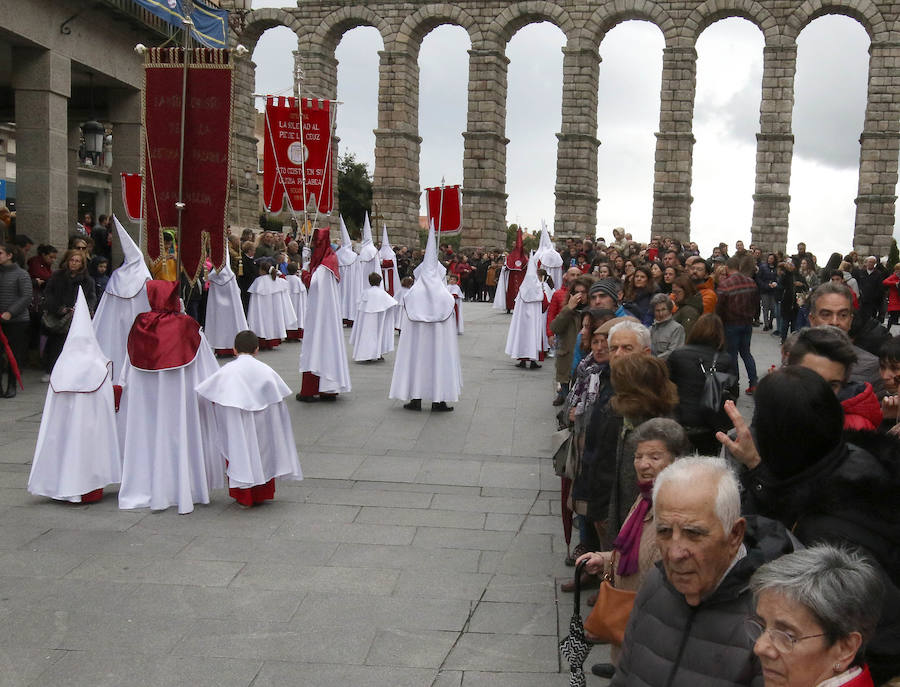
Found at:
(440, 214)
(179, 205)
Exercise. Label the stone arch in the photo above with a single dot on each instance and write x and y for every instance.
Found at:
(712, 11)
(607, 17)
(418, 24)
(521, 14)
(261, 20)
(330, 30)
(863, 11)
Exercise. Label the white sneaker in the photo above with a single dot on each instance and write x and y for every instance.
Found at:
(45, 379)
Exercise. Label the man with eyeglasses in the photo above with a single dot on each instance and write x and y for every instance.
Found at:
(687, 625)
(832, 303)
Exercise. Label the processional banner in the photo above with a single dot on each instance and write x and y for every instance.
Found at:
(445, 208)
(297, 158)
(205, 153)
(131, 196)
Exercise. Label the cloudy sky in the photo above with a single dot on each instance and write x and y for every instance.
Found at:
(830, 88)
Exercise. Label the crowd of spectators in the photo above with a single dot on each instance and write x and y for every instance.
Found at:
(763, 550)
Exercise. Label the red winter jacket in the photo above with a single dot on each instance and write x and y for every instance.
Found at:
(862, 411)
(556, 304)
(893, 295)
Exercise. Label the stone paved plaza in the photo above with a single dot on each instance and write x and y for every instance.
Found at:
(419, 551)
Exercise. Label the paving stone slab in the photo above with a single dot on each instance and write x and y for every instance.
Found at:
(419, 649)
(373, 497)
(482, 504)
(281, 673)
(515, 618)
(353, 533)
(382, 613)
(130, 568)
(405, 558)
(454, 538)
(442, 584)
(421, 517)
(503, 653)
(295, 578)
(20, 667)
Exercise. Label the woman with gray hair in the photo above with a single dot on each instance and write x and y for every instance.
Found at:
(815, 611)
(658, 443)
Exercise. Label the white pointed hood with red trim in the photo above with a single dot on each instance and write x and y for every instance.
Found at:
(128, 279)
(82, 366)
(428, 300)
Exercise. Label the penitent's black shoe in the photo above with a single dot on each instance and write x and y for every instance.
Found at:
(441, 407)
(606, 670)
(415, 404)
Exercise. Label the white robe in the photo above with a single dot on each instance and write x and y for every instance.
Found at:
(500, 296)
(253, 426)
(373, 328)
(297, 292)
(113, 321)
(224, 311)
(398, 311)
(457, 294)
(163, 428)
(323, 351)
(527, 335)
(350, 286)
(427, 361)
(271, 312)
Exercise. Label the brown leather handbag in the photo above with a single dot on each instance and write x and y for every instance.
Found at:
(608, 618)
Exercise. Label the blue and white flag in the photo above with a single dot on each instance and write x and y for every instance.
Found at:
(210, 23)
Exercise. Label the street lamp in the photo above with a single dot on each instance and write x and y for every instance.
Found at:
(237, 17)
(93, 133)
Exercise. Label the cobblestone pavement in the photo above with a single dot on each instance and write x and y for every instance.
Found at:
(420, 550)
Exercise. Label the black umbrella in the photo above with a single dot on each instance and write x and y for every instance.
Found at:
(575, 648)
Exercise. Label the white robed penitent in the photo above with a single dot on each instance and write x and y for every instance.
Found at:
(253, 426)
(351, 284)
(458, 299)
(390, 275)
(77, 448)
(369, 260)
(549, 258)
(373, 328)
(298, 295)
(164, 426)
(271, 312)
(527, 336)
(224, 312)
(323, 353)
(124, 299)
(427, 361)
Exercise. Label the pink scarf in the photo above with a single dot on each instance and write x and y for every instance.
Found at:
(628, 542)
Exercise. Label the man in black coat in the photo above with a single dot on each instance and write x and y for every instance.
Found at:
(871, 289)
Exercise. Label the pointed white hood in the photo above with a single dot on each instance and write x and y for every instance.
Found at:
(81, 367)
(531, 289)
(345, 254)
(223, 276)
(428, 300)
(546, 253)
(367, 250)
(386, 252)
(129, 278)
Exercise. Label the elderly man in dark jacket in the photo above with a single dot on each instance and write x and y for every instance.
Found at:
(687, 626)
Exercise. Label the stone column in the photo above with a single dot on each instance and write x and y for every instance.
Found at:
(484, 156)
(42, 80)
(319, 69)
(72, 162)
(243, 204)
(396, 189)
(774, 148)
(125, 118)
(875, 203)
(675, 144)
(576, 153)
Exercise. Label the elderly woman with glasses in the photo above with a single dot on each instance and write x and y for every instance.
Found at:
(815, 611)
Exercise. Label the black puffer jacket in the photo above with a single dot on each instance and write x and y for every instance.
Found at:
(685, 373)
(671, 644)
(848, 498)
(61, 291)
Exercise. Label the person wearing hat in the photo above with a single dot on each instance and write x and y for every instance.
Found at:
(606, 294)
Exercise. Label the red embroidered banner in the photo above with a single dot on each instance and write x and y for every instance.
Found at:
(131, 196)
(288, 160)
(446, 214)
(207, 132)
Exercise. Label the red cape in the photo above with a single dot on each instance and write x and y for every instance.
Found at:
(323, 254)
(163, 338)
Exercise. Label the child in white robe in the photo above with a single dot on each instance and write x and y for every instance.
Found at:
(456, 292)
(373, 328)
(297, 292)
(253, 433)
(405, 285)
(77, 451)
(271, 312)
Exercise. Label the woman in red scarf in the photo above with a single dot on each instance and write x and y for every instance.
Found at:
(658, 443)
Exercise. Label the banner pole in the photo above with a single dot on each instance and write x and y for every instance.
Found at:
(188, 22)
(440, 214)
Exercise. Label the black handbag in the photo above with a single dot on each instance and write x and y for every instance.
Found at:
(718, 387)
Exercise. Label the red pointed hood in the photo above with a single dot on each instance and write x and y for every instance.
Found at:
(163, 338)
(517, 260)
(323, 254)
